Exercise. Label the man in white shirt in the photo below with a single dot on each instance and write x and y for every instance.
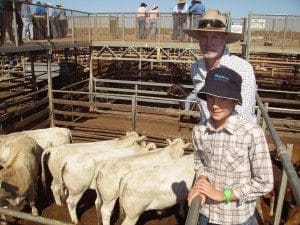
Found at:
(141, 20)
(180, 14)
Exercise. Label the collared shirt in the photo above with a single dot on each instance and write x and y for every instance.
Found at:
(197, 8)
(236, 157)
(153, 14)
(248, 89)
(25, 11)
(141, 11)
(179, 9)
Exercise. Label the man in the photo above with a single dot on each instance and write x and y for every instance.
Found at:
(213, 36)
(196, 11)
(27, 20)
(141, 20)
(153, 20)
(232, 160)
(180, 13)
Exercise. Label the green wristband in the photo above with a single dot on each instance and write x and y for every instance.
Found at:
(227, 195)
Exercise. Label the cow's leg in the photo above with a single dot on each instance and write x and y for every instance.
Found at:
(106, 211)
(130, 221)
(98, 203)
(72, 201)
(31, 200)
(55, 187)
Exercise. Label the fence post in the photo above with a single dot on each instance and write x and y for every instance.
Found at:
(90, 29)
(73, 29)
(50, 93)
(281, 194)
(248, 42)
(284, 31)
(123, 27)
(133, 112)
(15, 23)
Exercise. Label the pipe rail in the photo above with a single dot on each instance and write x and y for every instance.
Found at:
(193, 214)
(281, 151)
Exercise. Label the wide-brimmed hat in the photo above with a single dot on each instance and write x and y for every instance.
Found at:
(154, 6)
(180, 1)
(213, 20)
(143, 4)
(222, 82)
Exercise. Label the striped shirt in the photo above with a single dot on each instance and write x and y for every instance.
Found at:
(236, 157)
(248, 89)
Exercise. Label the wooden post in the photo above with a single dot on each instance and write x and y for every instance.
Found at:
(50, 94)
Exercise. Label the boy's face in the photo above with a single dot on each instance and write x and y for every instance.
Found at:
(220, 109)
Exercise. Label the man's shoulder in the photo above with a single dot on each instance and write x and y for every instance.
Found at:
(247, 127)
(238, 59)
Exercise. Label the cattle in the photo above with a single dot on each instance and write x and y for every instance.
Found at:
(58, 154)
(156, 187)
(111, 172)
(49, 137)
(294, 216)
(78, 172)
(19, 176)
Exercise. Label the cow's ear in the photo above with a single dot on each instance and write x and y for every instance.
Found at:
(8, 187)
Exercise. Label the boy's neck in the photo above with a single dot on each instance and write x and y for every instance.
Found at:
(220, 124)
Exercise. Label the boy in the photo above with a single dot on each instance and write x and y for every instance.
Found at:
(232, 160)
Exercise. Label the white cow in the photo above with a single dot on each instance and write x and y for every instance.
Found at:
(111, 172)
(48, 137)
(18, 178)
(58, 154)
(157, 187)
(78, 172)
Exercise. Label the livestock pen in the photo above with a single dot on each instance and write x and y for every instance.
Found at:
(100, 81)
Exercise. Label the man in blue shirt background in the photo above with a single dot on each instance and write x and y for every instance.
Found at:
(196, 10)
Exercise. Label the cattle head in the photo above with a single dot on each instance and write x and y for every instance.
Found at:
(176, 147)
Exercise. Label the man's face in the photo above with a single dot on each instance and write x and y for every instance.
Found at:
(219, 108)
(212, 44)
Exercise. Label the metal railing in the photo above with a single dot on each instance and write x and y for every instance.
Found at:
(58, 24)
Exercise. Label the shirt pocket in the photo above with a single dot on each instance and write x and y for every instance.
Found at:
(235, 159)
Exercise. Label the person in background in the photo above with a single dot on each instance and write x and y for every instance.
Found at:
(2, 25)
(62, 21)
(180, 13)
(8, 21)
(27, 20)
(141, 20)
(213, 36)
(196, 11)
(231, 155)
(19, 21)
(40, 10)
(153, 20)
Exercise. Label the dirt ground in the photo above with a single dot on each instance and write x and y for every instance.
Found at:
(155, 127)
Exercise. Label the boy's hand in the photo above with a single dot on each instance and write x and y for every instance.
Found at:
(193, 193)
(206, 188)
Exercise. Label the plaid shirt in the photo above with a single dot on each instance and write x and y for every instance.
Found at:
(248, 89)
(235, 157)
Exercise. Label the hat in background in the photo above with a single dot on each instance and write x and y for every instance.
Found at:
(222, 82)
(215, 21)
(154, 6)
(180, 1)
(143, 4)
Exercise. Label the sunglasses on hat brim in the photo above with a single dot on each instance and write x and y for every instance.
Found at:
(213, 23)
